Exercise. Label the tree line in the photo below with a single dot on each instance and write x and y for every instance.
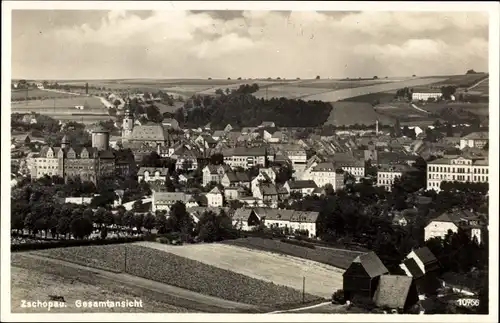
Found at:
(245, 110)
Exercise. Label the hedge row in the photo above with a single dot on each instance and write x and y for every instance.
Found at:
(299, 243)
(73, 243)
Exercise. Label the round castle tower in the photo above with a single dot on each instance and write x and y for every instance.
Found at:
(100, 138)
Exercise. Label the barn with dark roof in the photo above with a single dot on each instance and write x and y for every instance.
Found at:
(362, 276)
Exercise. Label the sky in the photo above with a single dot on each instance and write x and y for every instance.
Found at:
(83, 44)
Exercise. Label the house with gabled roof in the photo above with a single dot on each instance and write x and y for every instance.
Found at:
(396, 292)
(423, 267)
(215, 197)
(362, 277)
(232, 178)
(305, 187)
(452, 220)
(214, 173)
(164, 200)
(268, 193)
(245, 219)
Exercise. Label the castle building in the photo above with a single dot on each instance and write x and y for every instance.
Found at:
(88, 163)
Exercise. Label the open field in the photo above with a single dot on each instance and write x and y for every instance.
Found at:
(321, 280)
(90, 103)
(339, 258)
(462, 81)
(339, 85)
(21, 94)
(482, 87)
(338, 95)
(179, 271)
(478, 108)
(287, 91)
(403, 111)
(35, 279)
(350, 113)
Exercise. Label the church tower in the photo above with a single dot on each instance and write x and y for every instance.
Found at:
(128, 121)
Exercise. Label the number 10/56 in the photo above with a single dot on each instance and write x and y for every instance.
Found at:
(468, 302)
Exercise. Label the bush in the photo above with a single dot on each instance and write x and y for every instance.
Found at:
(364, 303)
(338, 297)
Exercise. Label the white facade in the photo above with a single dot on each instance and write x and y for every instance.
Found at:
(385, 178)
(456, 169)
(214, 198)
(424, 96)
(439, 229)
(244, 161)
(152, 176)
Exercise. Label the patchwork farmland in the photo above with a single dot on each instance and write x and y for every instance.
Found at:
(177, 268)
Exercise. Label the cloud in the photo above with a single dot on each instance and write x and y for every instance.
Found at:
(120, 44)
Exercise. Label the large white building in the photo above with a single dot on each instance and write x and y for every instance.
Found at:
(245, 157)
(386, 174)
(326, 173)
(459, 169)
(426, 94)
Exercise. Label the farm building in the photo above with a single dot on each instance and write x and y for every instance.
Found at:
(396, 292)
(423, 267)
(362, 277)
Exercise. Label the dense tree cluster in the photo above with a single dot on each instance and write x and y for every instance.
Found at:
(245, 110)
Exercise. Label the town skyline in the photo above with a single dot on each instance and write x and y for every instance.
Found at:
(102, 44)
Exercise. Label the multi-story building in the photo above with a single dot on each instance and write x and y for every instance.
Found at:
(459, 169)
(296, 154)
(350, 164)
(327, 173)
(386, 174)
(214, 173)
(474, 140)
(87, 163)
(152, 174)
(424, 95)
(245, 157)
(164, 200)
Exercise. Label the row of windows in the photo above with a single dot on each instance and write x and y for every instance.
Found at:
(388, 175)
(448, 169)
(385, 182)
